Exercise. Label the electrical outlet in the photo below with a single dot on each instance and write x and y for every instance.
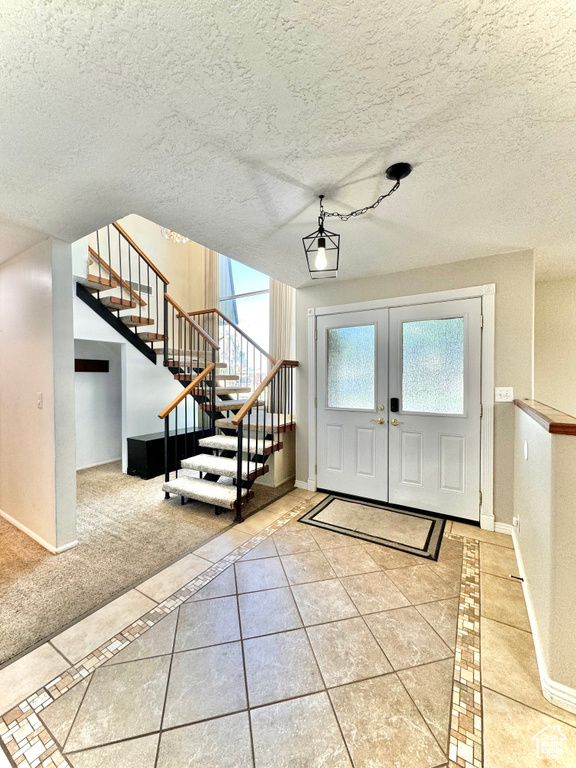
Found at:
(503, 394)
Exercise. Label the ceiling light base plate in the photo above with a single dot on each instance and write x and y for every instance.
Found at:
(398, 171)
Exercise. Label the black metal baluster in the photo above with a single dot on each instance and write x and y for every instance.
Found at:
(238, 518)
(166, 443)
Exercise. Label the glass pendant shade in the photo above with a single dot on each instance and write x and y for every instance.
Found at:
(174, 237)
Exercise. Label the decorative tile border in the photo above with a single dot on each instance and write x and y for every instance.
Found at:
(30, 745)
(465, 749)
(23, 734)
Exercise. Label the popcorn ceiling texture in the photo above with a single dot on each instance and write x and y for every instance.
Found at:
(224, 121)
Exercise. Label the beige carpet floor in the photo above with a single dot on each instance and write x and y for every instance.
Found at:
(127, 532)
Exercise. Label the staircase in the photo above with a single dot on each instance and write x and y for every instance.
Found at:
(232, 388)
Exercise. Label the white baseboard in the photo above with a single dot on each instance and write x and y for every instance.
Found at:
(301, 484)
(487, 522)
(556, 693)
(99, 463)
(39, 539)
(312, 484)
(504, 528)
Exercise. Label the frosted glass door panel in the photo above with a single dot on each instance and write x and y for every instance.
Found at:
(433, 366)
(351, 367)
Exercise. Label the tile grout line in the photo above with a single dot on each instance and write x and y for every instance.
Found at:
(317, 663)
(244, 668)
(178, 616)
(23, 717)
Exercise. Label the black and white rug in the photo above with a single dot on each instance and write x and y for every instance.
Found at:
(418, 533)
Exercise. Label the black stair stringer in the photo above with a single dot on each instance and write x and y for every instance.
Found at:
(84, 294)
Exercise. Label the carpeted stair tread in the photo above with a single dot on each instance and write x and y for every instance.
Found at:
(203, 490)
(230, 443)
(280, 423)
(225, 467)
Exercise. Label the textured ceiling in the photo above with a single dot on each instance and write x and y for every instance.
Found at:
(224, 121)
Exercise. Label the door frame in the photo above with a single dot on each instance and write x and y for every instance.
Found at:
(487, 294)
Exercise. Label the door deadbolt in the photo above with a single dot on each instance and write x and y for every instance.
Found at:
(381, 407)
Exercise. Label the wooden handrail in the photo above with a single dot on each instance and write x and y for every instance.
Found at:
(193, 323)
(240, 331)
(140, 252)
(256, 394)
(177, 400)
(116, 276)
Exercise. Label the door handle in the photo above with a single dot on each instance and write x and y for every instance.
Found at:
(395, 422)
(378, 421)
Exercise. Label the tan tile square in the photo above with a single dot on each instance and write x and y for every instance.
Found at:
(222, 545)
(509, 728)
(207, 622)
(267, 612)
(430, 687)
(346, 651)
(279, 667)
(253, 575)
(139, 752)
(442, 615)
(290, 540)
(117, 706)
(499, 561)
(205, 683)
(301, 733)
(24, 676)
(509, 667)
(220, 743)
(406, 638)
(348, 561)
(331, 539)
(421, 585)
(89, 633)
(503, 600)
(323, 601)
(172, 578)
(59, 716)
(382, 726)
(307, 566)
(374, 592)
(156, 641)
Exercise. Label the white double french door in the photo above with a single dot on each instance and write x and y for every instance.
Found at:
(398, 405)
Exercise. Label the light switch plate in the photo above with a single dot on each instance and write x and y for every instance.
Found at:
(503, 394)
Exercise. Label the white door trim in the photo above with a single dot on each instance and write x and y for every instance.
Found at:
(487, 294)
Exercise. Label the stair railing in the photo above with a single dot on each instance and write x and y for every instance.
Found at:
(246, 359)
(201, 386)
(116, 257)
(268, 413)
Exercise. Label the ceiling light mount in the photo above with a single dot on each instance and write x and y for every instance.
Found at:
(322, 248)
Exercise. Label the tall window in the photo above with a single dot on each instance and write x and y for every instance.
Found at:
(245, 299)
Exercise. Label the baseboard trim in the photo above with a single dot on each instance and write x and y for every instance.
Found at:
(504, 528)
(486, 522)
(556, 693)
(301, 484)
(99, 464)
(35, 536)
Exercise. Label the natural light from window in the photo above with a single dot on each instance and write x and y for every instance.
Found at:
(245, 299)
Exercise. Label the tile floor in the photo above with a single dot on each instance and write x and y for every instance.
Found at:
(311, 651)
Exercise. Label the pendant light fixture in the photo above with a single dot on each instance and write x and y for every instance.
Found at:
(322, 247)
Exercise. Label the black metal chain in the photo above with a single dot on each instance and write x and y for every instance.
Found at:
(360, 211)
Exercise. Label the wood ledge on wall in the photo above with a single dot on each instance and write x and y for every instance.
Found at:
(553, 421)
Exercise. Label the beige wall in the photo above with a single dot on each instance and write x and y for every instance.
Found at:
(513, 275)
(37, 470)
(555, 344)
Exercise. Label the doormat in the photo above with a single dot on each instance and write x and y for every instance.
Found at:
(415, 532)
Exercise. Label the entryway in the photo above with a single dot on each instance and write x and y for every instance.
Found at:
(399, 398)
